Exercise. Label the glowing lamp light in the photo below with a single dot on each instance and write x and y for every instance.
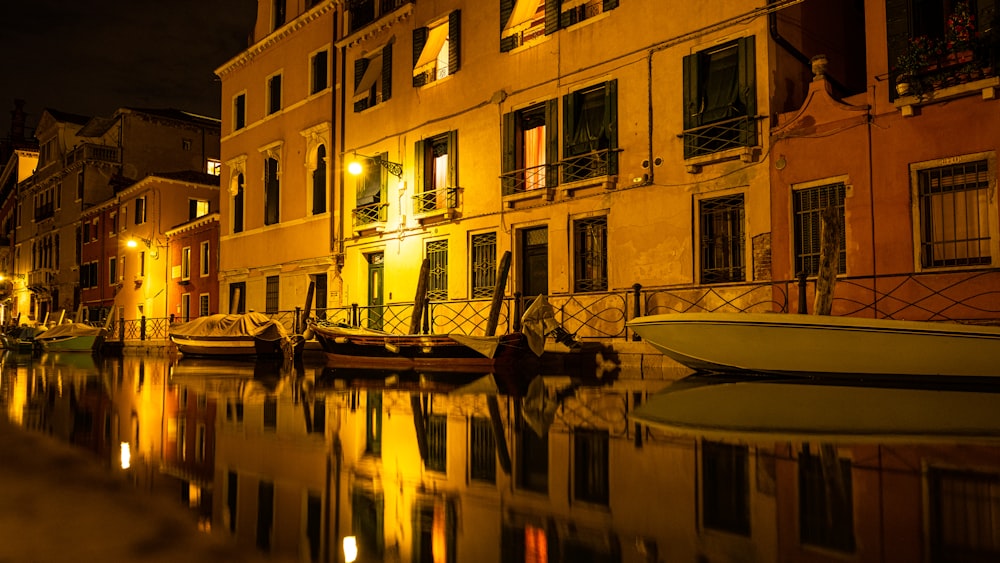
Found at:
(350, 549)
(355, 168)
(126, 456)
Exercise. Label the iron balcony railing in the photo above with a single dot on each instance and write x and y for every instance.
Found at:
(92, 152)
(436, 200)
(371, 214)
(594, 164)
(719, 136)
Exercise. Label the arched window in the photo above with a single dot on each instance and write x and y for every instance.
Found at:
(319, 182)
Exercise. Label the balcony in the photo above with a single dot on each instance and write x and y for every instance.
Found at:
(364, 12)
(370, 218)
(93, 153)
(45, 211)
(435, 203)
(728, 139)
(951, 76)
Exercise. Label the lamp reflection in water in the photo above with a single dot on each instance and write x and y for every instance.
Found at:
(350, 549)
(126, 456)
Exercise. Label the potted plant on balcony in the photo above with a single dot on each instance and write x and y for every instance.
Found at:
(917, 57)
(960, 34)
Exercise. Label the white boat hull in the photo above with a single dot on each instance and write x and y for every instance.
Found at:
(811, 344)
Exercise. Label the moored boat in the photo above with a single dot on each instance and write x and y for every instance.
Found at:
(248, 335)
(72, 337)
(820, 344)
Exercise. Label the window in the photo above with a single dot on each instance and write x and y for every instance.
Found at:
(142, 263)
(954, 215)
(826, 505)
(725, 487)
(530, 148)
(482, 456)
(319, 182)
(434, 531)
(140, 210)
(203, 304)
(80, 185)
(373, 79)
(232, 494)
(314, 525)
(186, 144)
(720, 100)
(560, 14)
(277, 13)
(271, 295)
(436, 173)
(368, 522)
(590, 132)
(237, 297)
(437, 443)
(239, 112)
(272, 191)
(197, 208)
(181, 439)
(722, 239)
(112, 270)
(590, 254)
(532, 473)
(963, 516)
(112, 223)
(200, 444)
(186, 263)
(213, 166)
(274, 94)
(265, 508)
(203, 259)
(185, 307)
(437, 282)
(484, 265)
(808, 205)
(436, 50)
(318, 69)
(238, 206)
(590, 465)
(521, 21)
(318, 417)
(371, 193)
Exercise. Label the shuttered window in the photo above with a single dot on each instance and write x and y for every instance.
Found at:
(720, 100)
(808, 204)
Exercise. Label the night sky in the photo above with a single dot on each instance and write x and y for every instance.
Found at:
(91, 58)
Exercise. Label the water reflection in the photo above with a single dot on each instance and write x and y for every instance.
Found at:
(511, 467)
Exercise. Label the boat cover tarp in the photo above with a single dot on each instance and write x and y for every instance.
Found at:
(485, 345)
(252, 324)
(66, 330)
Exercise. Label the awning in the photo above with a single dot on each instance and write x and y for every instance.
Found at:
(368, 80)
(521, 16)
(428, 56)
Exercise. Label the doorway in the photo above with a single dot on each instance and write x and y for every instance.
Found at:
(375, 287)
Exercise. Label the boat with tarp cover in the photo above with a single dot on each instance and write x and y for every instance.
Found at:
(248, 335)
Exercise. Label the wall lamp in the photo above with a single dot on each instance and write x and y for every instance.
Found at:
(11, 276)
(356, 168)
(150, 244)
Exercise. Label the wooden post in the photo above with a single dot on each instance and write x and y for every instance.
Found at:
(829, 257)
(498, 291)
(499, 437)
(418, 301)
(308, 307)
(419, 425)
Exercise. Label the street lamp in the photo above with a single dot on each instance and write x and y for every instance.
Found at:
(150, 244)
(356, 168)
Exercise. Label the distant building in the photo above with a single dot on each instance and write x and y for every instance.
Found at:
(193, 277)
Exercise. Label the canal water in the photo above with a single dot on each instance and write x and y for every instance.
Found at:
(311, 462)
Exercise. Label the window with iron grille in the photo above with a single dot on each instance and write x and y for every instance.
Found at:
(437, 442)
(720, 100)
(484, 265)
(203, 304)
(483, 457)
(725, 487)
(964, 522)
(590, 465)
(722, 240)
(590, 132)
(826, 502)
(371, 187)
(437, 282)
(271, 295)
(955, 215)
(270, 413)
(590, 254)
(808, 204)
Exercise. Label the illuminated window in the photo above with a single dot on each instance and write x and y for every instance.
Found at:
(436, 50)
(434, 531)
(213, 167)
(484, 265)
(204, 264)
(437, 283)
(523, 21)
(186, 263)
(722, 239)
(197, 208)
(590, 254)
(436, 173)
(530, 148)
(373, 79)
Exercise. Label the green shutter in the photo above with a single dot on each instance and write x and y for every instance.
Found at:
(692, 109)
(508, 142)
(611, 123)
(552, 9)
(748, 89)
(454, 41)
(569, 121)
(897, 35)
(610, 5)
(419, 40)
(387, 72)
(452, 159)
(552, 143)
(419, 158)
(360, 65)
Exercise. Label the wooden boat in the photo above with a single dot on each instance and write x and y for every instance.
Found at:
(346, 346)
(249, 335)
(72, 337)
(22, 338)
(820, 344)
(793, 409)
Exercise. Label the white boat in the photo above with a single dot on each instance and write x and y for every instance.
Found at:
(793, 409)
(72, 337)
(818, 344)
(249, 335)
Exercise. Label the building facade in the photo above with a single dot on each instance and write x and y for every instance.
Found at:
(194, 254)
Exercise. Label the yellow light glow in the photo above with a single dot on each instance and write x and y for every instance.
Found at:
(126, 456)
(131, 243)
(350, 549)
(355, 168)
